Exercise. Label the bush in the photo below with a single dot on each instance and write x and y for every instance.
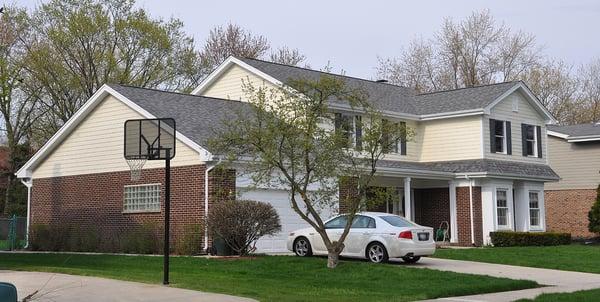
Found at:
(144, 239)
(594, 215)
(241, 223)
(502, 239)
(190, 242)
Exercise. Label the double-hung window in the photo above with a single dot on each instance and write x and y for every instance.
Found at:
(532, 144)
(394, 137)
(500, 137)
(350, 128)
(141, 198)
(502, 207)
(534, 209)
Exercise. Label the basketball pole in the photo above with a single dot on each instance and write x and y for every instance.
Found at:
(167, 215)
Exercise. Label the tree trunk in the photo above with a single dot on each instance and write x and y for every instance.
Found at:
(332, 259)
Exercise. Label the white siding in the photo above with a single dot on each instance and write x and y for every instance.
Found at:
(525, 114)
(577, 164)
(96, 145)
(229, 84)
(449, 139)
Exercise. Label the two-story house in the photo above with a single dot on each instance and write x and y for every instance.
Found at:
(477, 159)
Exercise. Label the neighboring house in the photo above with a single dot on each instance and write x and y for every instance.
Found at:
(478, 159)
(574, 153)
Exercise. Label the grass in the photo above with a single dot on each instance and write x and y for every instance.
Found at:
(584, 295)
(574, 257)
(273, 278)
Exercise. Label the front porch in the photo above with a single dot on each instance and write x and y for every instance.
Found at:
(471, 207)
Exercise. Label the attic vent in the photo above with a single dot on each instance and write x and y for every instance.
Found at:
(381, 81)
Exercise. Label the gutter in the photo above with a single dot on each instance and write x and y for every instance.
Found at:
(27, 183)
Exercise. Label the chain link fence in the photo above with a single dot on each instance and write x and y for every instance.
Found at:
(12, 233)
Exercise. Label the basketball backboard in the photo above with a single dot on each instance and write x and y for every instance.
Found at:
(150, 139)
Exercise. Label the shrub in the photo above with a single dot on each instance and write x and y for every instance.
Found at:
(190, 242)
(241, 223)
(502, 239)
(594, 215)
(144, 239)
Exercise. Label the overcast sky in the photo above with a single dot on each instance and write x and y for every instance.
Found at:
(351, 34)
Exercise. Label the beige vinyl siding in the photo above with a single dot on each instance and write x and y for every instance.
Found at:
(449, 139)
(577, 164)
(412, 146)
(525, 114)
(96, 145)
(229, 84)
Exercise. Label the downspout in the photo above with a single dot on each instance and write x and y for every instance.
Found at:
(208, 169)
(471, 208)
(28, 183)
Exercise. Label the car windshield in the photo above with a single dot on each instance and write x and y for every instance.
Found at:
(397, 221)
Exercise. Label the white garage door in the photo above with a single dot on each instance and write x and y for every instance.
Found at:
(290, 220)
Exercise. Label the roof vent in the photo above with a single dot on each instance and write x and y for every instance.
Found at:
(381, 81)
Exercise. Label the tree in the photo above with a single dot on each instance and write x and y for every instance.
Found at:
(287, 56)
(18, 103)
(594, 215)
(468, 53)
(80, 45)
(589, 78)
(232, 40)
(286, 139)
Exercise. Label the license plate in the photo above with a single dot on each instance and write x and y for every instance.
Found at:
(423, 236)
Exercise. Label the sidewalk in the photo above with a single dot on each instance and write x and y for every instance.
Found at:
(555, 280)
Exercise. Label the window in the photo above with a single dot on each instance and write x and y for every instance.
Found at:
(530, 140)
(350, 128)
(534, 209)
(502, 207)
(363, 222)
(141, 198)
(499, 136)
(337, 223)
(397, 131)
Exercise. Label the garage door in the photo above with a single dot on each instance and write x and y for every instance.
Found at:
(290, 220)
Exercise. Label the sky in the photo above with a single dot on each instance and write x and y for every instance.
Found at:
(350, 35)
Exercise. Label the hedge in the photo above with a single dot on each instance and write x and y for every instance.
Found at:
(502, 239)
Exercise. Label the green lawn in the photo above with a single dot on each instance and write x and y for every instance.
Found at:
(580, 296)
(575, 257)
(274, 278)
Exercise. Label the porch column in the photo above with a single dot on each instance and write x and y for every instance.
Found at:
(407, 199)
(453, 220)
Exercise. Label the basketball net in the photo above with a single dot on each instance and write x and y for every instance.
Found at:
(135, 166)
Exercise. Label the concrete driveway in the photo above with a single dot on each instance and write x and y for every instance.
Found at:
(556, 281)
(67, 288)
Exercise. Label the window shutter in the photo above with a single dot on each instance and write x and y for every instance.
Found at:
(508, 139)
(492, 136)
(539, 140)
(524, 138)
(403, 139)
(338, 121)
(358, 125)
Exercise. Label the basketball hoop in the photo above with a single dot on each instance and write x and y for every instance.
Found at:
(135, 166)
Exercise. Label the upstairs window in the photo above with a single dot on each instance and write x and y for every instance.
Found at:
(350, 128)
(500, 137)
(532, 143)
(398, 145)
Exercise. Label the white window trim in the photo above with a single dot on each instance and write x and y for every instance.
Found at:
(143, 211)
(538, 227)
(504, 138)
(509, 225)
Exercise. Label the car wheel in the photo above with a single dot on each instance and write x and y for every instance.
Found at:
(411, 259)
(377, 253)
(302, 247)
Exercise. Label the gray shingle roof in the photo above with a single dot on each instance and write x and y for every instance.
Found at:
(393, 97)
(577, 130)
(490, 166)
(197, 117)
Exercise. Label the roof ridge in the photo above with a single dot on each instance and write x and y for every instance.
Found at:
(462, 88)
(175, 92)
(325, 72)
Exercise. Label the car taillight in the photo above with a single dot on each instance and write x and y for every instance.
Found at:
(405, 235)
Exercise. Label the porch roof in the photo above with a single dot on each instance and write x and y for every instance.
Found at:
(483, 167)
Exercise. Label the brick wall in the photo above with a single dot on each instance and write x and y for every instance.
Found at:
(95, 201)
(432, 206)
(567, 211)
(348, 192)
(463, 216)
